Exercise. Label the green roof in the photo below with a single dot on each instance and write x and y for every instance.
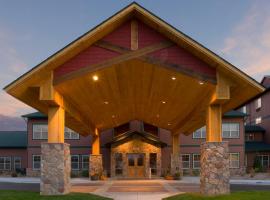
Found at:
(234, 114)
(254, 128)
(257, 146)
(35, 115)
(13, 139)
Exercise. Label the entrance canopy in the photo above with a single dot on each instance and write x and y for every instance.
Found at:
(134, 66)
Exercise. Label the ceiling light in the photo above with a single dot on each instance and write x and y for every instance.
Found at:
(106, 102)
(169, 124)
(163, 102)
(95, 77)
(173, 78)
(113, 116)
(201, 82)
(157, 115)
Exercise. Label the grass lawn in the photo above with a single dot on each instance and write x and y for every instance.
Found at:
(22, 195)
(252, 195)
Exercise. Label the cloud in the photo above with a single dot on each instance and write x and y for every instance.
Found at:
(248, 45)
(11, 66)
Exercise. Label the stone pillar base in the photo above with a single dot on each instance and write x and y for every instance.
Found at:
(55, 169)
(176, 165)
(95, 166)
(215, 173)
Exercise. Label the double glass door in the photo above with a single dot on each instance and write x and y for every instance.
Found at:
(136, 165)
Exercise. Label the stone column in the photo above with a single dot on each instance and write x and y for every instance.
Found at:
(176, 164)
(215, 174)
(55, 169)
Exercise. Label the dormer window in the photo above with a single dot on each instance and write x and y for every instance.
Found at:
(244, 109)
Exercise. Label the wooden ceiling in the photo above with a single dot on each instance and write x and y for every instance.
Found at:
(138, 90)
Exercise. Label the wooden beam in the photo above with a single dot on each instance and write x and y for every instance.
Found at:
(222, 93)
(134, 35)
(175, 144)
(150, 59)
(51, 97)
(112, 61)
(56, 124)
(213, 123)
(96, 143)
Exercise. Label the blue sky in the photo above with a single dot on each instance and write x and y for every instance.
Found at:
(32, 30)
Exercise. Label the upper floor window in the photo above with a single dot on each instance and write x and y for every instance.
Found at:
(258, 120)
(230, 130)
(40, 131)
(244, 109)
(200, 133)
(71, 135)
(5, 163)
(234, 160)
(258, 103)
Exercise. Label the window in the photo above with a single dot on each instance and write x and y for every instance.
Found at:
(244, 109)
(200, 133)
(234, 160)
(118, 163)
(71, 135)
(230, 130)
(40, 131)
(17, 162)
(185, 161)
(36, 162)
(5, 163)
(258, 120)
(153, 163)
(258, 103)
(196, 161)
(250, 137)
(75, 162)
(264, 159)
(85, 162)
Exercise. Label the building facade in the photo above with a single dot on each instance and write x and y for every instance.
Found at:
(257, 129)
(134, 149)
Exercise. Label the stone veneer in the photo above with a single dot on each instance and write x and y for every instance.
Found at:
(95, 165)
(176, 164)
(136, 145)
(215, 173)
(55, 169)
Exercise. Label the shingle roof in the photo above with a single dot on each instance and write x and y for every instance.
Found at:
(257, 146)
(13, 139)
(35, 115)
(234, 114)
(254, 128)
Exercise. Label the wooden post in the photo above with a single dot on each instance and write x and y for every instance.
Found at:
(96, 143)
(214, 123)
(56, 124)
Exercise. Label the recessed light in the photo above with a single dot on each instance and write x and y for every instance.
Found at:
(113, 116)
(163, 102)
(169, 124)
(157, 115)
(95, 77)
(106, 102)
(173, 78)
(201, 82)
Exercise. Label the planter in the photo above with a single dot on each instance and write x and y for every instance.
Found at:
(169, 177)
(94, 177)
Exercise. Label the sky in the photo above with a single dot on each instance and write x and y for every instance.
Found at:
(32, 30)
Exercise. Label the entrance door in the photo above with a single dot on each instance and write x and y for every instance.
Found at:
(135, 165)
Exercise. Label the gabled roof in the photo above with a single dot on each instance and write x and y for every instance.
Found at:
(254, 129)
(257, 146)
(130, 134)
(13, 139)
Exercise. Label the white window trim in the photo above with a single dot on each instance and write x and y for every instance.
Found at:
(5, 157)
(84, 162)
(259, 103)
(230, 136)
(70, 131)
(262, 159)
(196, 161)
(33, 131)
(185, 161)
(201, 133)
(14, 161)
(78, 156)
(238, 165)
(33, 166)
(244, 109)
(259, 120)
